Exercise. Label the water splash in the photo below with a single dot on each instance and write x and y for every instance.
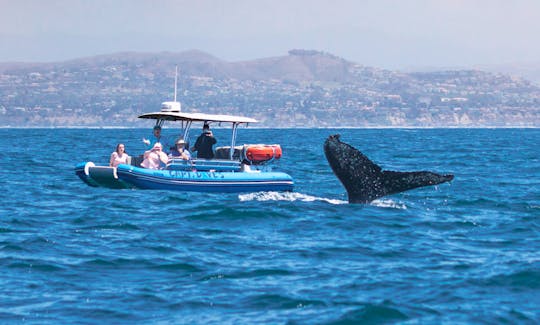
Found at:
(295, 196)
(286, 196)
(388, 203)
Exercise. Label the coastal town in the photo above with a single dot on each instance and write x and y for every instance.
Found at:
(301, 89)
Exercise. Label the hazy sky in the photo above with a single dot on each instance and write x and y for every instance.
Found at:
(381, 33)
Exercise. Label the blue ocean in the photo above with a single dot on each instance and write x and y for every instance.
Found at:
(461, 252)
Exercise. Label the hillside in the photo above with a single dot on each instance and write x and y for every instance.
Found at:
(303, 88)
(529, 71)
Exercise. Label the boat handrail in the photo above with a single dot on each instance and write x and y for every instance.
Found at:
(218, 165)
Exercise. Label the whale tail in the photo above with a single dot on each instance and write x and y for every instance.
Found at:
(365, 181)
(403, 181)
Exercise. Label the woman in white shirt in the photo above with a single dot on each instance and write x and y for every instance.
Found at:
(119, 156)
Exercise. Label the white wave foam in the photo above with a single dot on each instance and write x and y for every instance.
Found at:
(388, 203)
(286, 196)
(295, 196)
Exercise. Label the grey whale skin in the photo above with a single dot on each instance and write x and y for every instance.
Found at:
(364, 180)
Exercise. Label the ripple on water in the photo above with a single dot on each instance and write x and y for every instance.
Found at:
(525, 279)
(371, 314)
(277, 301)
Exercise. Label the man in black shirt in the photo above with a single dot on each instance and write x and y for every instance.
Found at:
(204, 144)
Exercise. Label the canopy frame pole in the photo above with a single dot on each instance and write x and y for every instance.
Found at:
(186, 129)
(233, 140)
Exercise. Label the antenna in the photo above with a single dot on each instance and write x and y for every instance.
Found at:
(172, 106)
(175, 82)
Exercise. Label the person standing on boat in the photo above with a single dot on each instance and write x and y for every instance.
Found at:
(119, 156)
(155, 138)
(155, 158)
(204, 144)
(180, 150)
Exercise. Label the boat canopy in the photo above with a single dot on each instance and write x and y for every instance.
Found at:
(197, 117)
(188, 118)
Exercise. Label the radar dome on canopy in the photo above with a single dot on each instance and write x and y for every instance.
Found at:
(171, 107)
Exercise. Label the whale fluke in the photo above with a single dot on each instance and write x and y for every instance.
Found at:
(365, 181)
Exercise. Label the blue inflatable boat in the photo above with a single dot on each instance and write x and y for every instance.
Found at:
(243, 168)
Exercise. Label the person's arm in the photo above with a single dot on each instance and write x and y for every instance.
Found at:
(113, 158)
(163, 157)
(186, 155)
(196, 145)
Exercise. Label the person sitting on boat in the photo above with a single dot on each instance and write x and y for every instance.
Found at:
(204, 144)
(119, 156)
(180, 150)
(155, 138)
(155, 158)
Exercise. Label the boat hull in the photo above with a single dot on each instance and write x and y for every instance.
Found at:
(99, 176)
(127, 176)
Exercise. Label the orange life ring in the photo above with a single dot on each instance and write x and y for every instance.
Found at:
(262, 152)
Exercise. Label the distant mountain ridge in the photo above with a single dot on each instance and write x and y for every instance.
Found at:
(299, 65)
(527, 70)
(302, 88)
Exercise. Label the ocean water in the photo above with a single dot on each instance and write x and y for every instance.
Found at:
(464, 252)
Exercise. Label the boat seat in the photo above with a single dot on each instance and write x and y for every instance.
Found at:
(224, 152)
(136, 160)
